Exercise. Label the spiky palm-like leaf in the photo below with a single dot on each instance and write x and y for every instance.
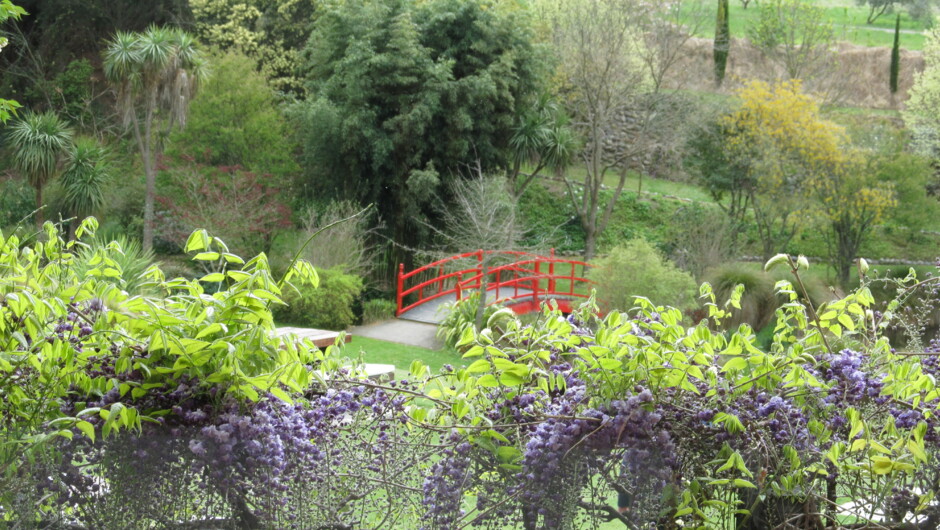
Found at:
(127, 255)
(83, 179)
(39, 141)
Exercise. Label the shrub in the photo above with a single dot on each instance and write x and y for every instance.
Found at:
(244, 208)
(17, 201)
(758, 302)
(377, 310)
(329, 306)
(637, 269)
(235, 121)
(114, 404)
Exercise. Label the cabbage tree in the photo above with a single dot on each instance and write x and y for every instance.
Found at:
(155, 75)
(83, 179)
(39, 142)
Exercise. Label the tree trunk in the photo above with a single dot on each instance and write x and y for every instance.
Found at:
(151, 187)
(590, 243)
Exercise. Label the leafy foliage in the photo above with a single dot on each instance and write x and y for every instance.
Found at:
(737, 437)
(757, 304)
(635, 269)
(406, 96)
(271, 32)
(127, 256)
(7, 11)
(460, 319)
(117, 401)
(794, 155)
(329, 305)
(235, 122)
(72, 340)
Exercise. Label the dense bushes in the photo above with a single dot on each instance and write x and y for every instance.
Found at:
(680, 418)
(460, 320)
(89, 362)
(235, 122)
(638, 269)
(377, 310)
(327, 306)
(17, 201)
(115, 404)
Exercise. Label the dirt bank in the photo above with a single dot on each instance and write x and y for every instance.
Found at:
(860, 76)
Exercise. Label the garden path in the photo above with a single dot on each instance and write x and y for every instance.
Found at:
(434, 311)
(412, 333)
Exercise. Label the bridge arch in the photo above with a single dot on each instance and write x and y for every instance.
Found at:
(521, 280)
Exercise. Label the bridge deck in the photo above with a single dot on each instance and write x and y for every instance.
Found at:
(434, 311)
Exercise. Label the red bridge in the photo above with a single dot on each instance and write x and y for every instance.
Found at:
(520, 280)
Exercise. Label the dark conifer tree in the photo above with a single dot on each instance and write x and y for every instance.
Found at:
(722, 41)
(895, 56)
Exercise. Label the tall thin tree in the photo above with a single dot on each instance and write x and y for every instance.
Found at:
(39, 142)
(895, 57)
(722, 41)
(155, 75)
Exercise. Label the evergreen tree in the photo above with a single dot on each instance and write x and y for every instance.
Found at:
(407, 96)
(896, 56)
(722, 41)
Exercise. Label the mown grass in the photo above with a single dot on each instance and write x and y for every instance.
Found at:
(633, 184)
(401, 355)
(848, 21)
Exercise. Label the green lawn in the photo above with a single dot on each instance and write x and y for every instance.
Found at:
(848, 21)
(576, 173)
(401, 355)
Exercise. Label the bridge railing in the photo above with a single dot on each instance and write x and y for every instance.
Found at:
(529, 277)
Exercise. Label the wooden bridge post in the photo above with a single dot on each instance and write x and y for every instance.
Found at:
(537, 281)
(401, 285)
(498, 281)
(551, 272)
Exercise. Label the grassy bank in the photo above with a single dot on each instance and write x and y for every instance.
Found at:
(847, 19)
